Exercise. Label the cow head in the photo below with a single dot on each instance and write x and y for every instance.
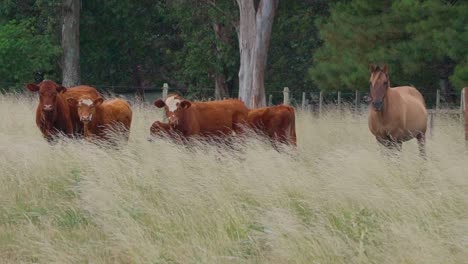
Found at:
(48, 91)
(175, 107)
(86, 107)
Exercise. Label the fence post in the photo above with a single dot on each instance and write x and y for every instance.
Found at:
(438, 100)
(320, 102)
(303, 100)
(357, 101)
(431, 123)
(286, 96)
(165, 89)
(465, 113)
(270, 100)
(339, 100)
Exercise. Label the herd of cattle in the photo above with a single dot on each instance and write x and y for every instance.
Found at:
(396, 115)
(81, 111)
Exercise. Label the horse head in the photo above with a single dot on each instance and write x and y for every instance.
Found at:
(379, 83)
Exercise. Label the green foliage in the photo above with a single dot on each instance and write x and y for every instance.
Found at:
(294, 39)
(23, 51)
(29, 41)
(118, 36)
(415, 38)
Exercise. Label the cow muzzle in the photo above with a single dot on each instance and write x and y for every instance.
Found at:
(47, 108)
(86, 119)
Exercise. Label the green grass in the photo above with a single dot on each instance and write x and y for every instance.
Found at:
(336, 199)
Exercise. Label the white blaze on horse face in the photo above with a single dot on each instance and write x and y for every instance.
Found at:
(86, 101)
(171, 103)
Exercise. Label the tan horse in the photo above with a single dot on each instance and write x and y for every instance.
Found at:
(396, 114)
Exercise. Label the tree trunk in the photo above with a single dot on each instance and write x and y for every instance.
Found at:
(254, 40)
(71, 43)
(221, 87)
(445, 70)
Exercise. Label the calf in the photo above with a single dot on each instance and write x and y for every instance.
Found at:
(215, 118)
(52, 113)
(102, 119)
(160, 129)
(76, 93)
(276, 122)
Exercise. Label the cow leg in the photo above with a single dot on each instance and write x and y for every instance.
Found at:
(422, 144)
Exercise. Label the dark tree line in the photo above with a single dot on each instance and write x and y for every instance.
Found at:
(227, 48)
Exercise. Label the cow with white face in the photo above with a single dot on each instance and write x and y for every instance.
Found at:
(214, 118)
(87, 108)
(174, 105)
(102, 117)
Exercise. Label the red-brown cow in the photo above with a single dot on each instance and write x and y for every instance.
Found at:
(76, 93)
(103, 119)
(277, 122)
(215, 118)
(52, 113)
(160, 129)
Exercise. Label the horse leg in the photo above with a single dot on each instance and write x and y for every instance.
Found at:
(421, 137)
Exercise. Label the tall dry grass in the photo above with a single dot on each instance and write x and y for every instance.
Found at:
(337, 199)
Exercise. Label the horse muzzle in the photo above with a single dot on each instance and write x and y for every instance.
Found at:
(377, 105)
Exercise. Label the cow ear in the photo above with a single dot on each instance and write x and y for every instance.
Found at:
(385, 69)
(98, 101)
(185, 104)
(372, 67)
(72, 101)
(159, 103)
(61, 89)
(32, 87)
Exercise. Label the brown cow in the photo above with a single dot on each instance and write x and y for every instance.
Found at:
(52, 113)
(76, 93)
(160, 129)
(277, 122)
(215, 118)
(102, 118)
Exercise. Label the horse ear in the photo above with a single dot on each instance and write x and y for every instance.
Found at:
(385, 69)
(373, 67)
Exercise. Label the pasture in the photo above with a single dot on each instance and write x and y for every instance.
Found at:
(338, 198)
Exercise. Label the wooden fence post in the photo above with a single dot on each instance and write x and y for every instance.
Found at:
(165, 89)
(270, 100)
(357, 101)
(320, 102)
(438, 100)
(431, 123)
(339, 100)
(286, 96)
(465, 113)
(303, 100)
(462, 103)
